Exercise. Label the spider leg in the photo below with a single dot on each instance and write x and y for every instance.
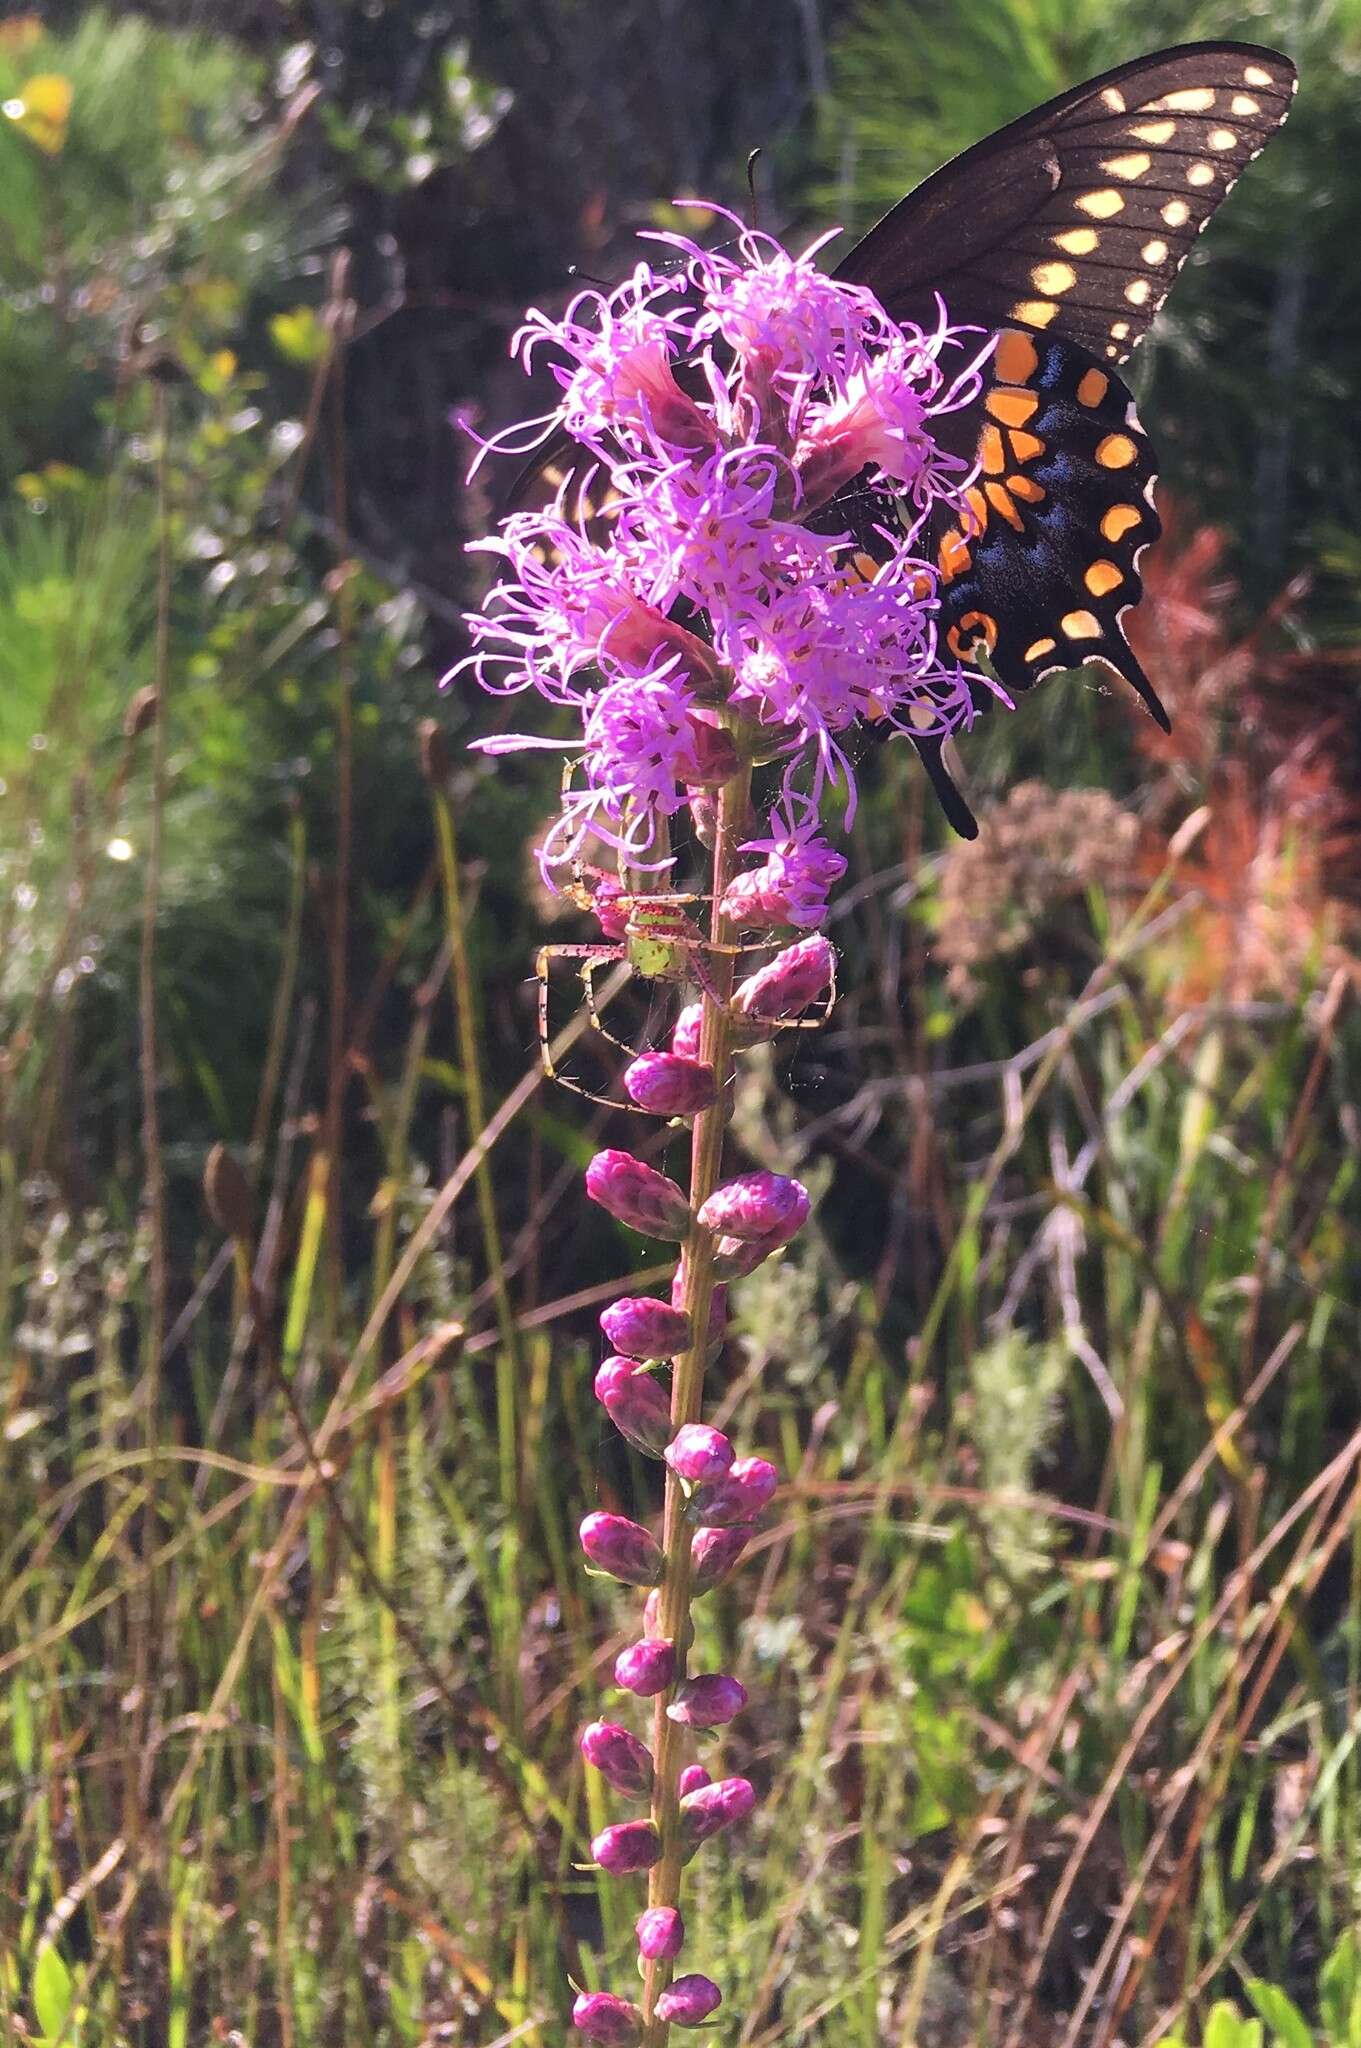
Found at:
(588, 971)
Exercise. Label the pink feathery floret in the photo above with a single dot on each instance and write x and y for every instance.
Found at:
(792, 884)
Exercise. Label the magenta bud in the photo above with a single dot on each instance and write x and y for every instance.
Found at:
(688, 2002)
(642, 1327)
(632, 1845)
(661, 1934)
(685, 1035)
(718, 1304)
(691, 1778)
(610, 902)
(713, 1553)
(713, 1808)
(739, 1498)
(670, 1084)
(646, 1668)
(636, 1405)
(787, 985)
(637, 1195)
(735, 1257)
(713, 757)
(697, 1453)
(622, 1549)
(708, 1700)
(611, 2021)
(620, 1758)
(757, 1206)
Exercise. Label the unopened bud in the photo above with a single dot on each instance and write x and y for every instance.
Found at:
(622, 1549)
(646, 1668)
(685, 1032)
(698, 1453)
(642, 1327)
(713, 1808)
(635, 1404)
(738, 1499)
(787, 985)
(757, 1206)
(713, 1553)
(621, 1759)
(637, 1195)
(688, 2002)
(708, 1700)
(661, 1934)
(628, 1846)
(669, 1084)
(610, 2021)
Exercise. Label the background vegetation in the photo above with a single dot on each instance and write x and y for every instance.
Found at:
(1057, 1630)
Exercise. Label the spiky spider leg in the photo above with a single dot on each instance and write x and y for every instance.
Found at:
(589, 959)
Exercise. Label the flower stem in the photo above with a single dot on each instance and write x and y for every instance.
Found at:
(687, 1387)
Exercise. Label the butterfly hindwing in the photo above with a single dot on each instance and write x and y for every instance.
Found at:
(1040, 563)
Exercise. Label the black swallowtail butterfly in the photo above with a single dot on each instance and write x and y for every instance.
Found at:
(1061, 235)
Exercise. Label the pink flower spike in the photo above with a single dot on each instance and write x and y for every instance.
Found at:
(757, 1206)
(738, 1499)
(635, 1404)
(713, 1808)
(708, 1700)
(628, 1846)
(685, 1034)
(691, 1778)
(622, 1550)
(668, 1084)
(637, 1195)
(642, 1327)
(610, 2021)
(688, 2002)
(621, 1759)
(697, 1453)
(787, 985)
(713, 1553)
(646, 1668)
(661, 1934)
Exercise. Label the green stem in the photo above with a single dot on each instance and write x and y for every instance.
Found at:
(687, 1387)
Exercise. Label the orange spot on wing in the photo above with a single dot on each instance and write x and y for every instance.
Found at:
(1000, 499)
(1117, 451)
(978, 506)
(953, 556)
(1038, 649)
(1016, 357)
(1093, 387)
(1026, 447)
(1102, 578)
(1027, 488)
(1080, 626)
(1012, 408)
(1119, 520)
(991, 453)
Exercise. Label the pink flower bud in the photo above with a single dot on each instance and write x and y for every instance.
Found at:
(642, 1327)
(738, 1498)
(668, 1084)
(718, 1304)
(697, 1453)
(713, 1808)
(610, 902)
(646, 1668)
(688, 2002)
(708, 1700)
(637, 1195)
(713, 756)
(691, 1778)
(713, 1553)
(685, 1032)
(789, 888)
(611, 2021)
(635, 1404)
(622, 1549)
(757, 1206)
(621, 1759)
(735, 1257)
(661, 1933)
(631, 1845)
(787, 985)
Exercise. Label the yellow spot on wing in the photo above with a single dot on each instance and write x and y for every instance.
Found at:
(1127, 166)
(1035, 312)
(1080, 626)
(1137, 291)
(1156, 132)
(1254, 75)
(1052, 278)
(1176, 213)
(1221, 138)
(1200, 174)
(1026, 447)
(1038, 649)
(1015, 357)
(1102, 578)
(1244, 103)
(1102, 204)
(1117, 451)
(1077, 241)
(1153, 253)
(1000, 499)
(1012, 408)
(1118, 520)
(1120, 329)
(1113, 98)
(1093, 387)
(1195, 99)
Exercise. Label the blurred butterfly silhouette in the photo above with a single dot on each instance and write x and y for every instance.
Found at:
(1061, 235)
